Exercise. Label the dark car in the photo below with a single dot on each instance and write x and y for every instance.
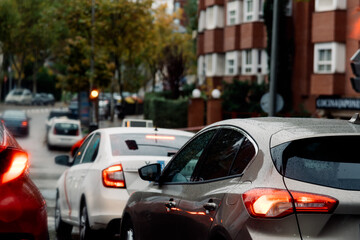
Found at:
(22, 207)
(43, 99)
(260, 178)
(16, 121)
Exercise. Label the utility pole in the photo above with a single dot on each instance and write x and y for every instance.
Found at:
(274, 59)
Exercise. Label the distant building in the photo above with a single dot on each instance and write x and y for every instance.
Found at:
(232, 40)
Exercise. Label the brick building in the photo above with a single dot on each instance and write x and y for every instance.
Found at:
(232, 41)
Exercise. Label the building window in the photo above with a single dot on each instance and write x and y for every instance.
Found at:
(324, 61)
(254, 62)
(233, 13)
(329, 58)
(249, 10)
(253, 10)
(248, 61)
(232, 63)
(329, 5)
(214, 17)
(201, 21)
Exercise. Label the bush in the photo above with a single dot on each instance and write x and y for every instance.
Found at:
(243, 96)
(166, 113)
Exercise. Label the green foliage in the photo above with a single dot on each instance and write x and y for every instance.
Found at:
(242, 96)
(164, 112)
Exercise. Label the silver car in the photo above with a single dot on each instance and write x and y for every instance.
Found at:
(260, 178)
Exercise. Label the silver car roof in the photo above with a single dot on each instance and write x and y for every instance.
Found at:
(277, 130)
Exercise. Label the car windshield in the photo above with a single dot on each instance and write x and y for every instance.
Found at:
(145, 144)
(69, 129)
(327, 161)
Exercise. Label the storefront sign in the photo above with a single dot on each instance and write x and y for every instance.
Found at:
(338, 103)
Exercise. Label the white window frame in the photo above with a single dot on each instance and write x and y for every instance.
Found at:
(254, 62)
(329, 64)
(232, 63)
(201, 69)
(214, 17)
(255, 13)
(233, 15)
(215, 64)
(329, 5)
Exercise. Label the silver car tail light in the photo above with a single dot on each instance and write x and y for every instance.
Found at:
(113, 176)
(275, 203)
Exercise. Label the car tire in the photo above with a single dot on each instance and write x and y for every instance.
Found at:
(127, 230)
(63, 229)
(84, 227)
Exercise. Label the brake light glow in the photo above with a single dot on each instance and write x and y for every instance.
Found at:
(114, 177)
(19, 164)
(157, 137)
(24, 123)
(275, 203)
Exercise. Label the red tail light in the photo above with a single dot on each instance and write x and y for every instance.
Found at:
(24, 123)
(19, 164)
(55, 132)
(114, 177)
(275, 203)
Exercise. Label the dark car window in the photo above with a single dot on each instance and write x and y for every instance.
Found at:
(146, 144)
(181, 168)
(220, 155)
(92, 150)
(246, 153)
(329, 161)
(80, 151)
(68, 129)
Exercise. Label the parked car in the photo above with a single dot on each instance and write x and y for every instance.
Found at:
(55, 114)
(16, 121)
(43, 99)
(261, 178)
(22, 207)
(63, 132)
(93, 192)
(19, 96)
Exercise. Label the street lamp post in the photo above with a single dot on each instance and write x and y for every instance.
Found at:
(274, 59)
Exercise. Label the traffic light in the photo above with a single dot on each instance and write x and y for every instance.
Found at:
(94, 94)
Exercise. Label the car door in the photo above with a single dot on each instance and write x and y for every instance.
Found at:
(218, 171)
(71, 182)
(82, 170)
(158, 214)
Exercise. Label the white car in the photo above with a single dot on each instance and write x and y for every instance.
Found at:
(93, 192)
(63, 132)
(19, 96)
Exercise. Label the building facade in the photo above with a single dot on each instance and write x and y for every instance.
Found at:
(232, 43)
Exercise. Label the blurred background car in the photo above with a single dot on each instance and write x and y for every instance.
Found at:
(63, 133)
(56, 113)
(19, 96)
(22, 207)
(93, 191)
(16, 121)
(261, 178)
(43, 99)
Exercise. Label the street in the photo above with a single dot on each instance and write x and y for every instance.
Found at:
(43, 170)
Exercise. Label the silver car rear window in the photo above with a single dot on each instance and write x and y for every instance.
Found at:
(328, 161)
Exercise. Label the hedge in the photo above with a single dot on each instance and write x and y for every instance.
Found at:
(166, 113)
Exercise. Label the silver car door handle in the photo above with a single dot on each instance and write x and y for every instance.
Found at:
(170, 204)
(210, 206)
